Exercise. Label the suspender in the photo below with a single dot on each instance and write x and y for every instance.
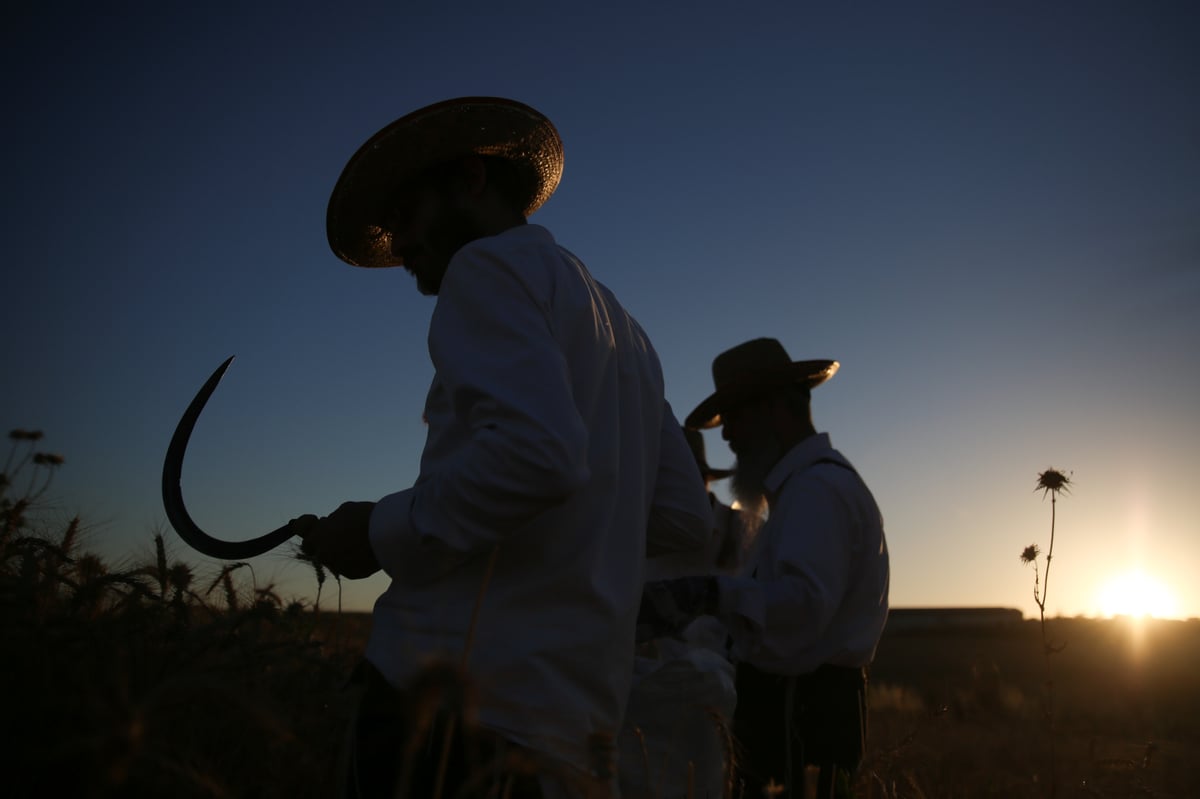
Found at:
(835, 462)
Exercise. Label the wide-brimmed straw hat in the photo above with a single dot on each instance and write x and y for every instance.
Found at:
(428, 137)
(747, 371)
(695, 440)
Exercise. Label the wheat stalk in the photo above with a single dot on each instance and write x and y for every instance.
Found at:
(444, 759)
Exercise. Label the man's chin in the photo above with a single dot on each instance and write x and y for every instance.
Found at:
(426, 284)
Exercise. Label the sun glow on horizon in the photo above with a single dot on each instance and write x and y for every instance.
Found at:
(1137, 595)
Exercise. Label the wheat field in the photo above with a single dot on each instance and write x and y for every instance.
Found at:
(154, 679)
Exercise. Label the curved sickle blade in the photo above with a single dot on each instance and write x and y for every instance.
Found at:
(173, 495)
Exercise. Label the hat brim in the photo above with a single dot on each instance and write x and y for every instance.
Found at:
(810, 373)
(436, 134)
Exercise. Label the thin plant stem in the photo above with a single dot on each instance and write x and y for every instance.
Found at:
(1051, 481)
(1047, 650)
(12, 452)
(444, 759)
(1049, 551)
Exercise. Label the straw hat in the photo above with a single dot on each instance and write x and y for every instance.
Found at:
(436, 134)
(695, 440)
(747, 371)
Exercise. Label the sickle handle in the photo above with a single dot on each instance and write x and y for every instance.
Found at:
(172, 493)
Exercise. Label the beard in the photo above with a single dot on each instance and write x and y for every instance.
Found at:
(749, 481)
(448, 233)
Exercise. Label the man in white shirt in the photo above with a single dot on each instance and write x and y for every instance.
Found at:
(551, 454)
(805, 616)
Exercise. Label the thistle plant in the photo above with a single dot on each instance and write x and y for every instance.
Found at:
(22, 455)
(1052, 482)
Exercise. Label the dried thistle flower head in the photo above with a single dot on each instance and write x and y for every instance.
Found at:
(1053, 481)
(25, 435)
(1029, 554)
(48, 459)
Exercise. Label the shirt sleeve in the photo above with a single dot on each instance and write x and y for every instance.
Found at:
(494, 350)
(681, 517)
(402, 553)
(778, 613)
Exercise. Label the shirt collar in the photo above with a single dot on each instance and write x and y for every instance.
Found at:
(799, 457)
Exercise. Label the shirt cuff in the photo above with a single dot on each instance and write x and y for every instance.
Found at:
(388, 529)
(742, 607)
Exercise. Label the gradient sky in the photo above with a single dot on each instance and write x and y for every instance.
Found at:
(988, 212)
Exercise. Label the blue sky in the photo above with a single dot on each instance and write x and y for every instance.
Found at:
(987, 212)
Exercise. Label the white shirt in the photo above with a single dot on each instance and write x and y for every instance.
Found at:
(815, 588)
(551, 442)
(728, 538)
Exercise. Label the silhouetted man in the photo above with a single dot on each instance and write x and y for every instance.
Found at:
(806, 616)
(550, 451)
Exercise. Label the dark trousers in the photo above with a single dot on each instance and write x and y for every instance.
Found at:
(784, 723)
(399, 740)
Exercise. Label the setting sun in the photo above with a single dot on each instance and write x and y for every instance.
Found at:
(1137, 594)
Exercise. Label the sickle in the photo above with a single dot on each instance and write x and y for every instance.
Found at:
(173, 495)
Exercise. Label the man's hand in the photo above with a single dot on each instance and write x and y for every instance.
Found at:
(340, 541)
(670, 605)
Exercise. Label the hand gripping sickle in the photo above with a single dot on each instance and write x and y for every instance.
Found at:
(173, 495)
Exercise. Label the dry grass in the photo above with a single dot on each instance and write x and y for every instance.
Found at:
(147, 680)
(959, 713)
(153, 681)
(114, 688)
